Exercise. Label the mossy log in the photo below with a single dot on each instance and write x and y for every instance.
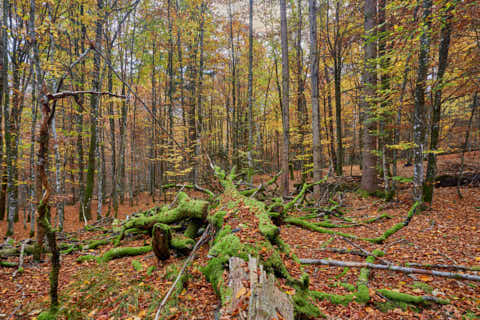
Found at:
(8, 264)
(187, 209)
(408, 298)
(116, 253)
(246, 231)
(467, 178)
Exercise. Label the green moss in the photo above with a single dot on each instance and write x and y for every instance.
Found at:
(192, 228)
(48, 315)
(226, 245)
(7, 264)
(266, 227)
(97, 243)
(374, 219)
(150, 270)
(88, 257)
(407, 298)
(398, 226)
(362, 295)
(71, 248)
(377, 253)
(303, 305)
(124, 252)
(313, 227)
(344, 272)
(137, 265)
(423, 286)
(182, 243)
(391, 305)
(333, 298)
(217, 219)
(348, 286)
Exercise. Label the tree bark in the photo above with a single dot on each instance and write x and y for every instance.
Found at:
(369, 81)
(312, 4)
(285, 98)
(437, 102)
(94, 101)
(419, 111)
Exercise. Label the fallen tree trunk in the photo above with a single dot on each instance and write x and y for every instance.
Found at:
(352, 264)
(245, 236)
(466, 179)
(187, 209)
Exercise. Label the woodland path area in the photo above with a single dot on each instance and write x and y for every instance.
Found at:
(132, 287)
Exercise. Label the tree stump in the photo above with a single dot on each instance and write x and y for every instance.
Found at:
(161, 237)
(254, 293)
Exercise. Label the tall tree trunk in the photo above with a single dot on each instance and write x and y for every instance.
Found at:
(437, 102)
(113, 135)
(250, 89)
(369, 159)
(312, 4)
(199, 109)
(234, 126)
(301, 100)
(94, 101)
(3, 90)
(285, 98)
(384, 62)
(419, 111)
(152, 146)
(8, 130)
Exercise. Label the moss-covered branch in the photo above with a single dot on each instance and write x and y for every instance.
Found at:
(116, 253)
(187, 209)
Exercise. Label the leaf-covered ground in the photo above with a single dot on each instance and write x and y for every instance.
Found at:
(131, 288)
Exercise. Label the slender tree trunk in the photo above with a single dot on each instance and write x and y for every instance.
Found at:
(312, 4)
(3, 90)
(285, 98)
(437, 102)
(94, 102)
(199, 109)
(152, 146)
(369, 159)
(234, 126)
(301, 100)
(419, 111)
(250, 89)
(385, 96)
(8, 130)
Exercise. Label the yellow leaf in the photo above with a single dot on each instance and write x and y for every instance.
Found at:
(369, 310)
(241, 292)
(142, 314)
(477, 258)
(425, 278)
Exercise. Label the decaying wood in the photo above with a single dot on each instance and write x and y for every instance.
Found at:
(466, 179)
(395, 268)
(202, 239)
(161, 238)
(254, 293)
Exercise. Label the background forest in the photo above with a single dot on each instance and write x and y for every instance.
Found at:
(108, 106)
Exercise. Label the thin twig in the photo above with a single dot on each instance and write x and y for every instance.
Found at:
(187, 262)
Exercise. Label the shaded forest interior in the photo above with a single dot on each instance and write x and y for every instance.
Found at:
(186, 144)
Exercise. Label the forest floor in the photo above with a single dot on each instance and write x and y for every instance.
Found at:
(447, 233)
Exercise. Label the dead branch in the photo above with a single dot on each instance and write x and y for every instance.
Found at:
(395, 268)
(187, 262)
